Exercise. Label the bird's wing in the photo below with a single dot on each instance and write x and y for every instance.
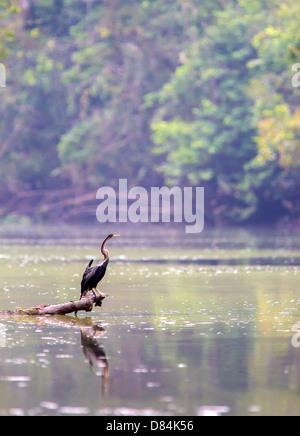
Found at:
(86, 274)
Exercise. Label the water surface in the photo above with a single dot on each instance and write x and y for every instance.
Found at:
(195, 326)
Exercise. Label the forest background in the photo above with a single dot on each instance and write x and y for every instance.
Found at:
(160, 92)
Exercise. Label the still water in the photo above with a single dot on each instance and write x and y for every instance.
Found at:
(198, 325)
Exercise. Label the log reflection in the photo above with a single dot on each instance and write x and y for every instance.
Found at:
(91, 335)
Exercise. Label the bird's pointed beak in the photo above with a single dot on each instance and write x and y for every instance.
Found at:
(115, 236)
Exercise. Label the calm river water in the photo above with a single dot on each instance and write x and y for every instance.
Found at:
(193, 325)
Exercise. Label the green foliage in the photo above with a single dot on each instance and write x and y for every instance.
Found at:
(7, 31)
(276, 108)
(159, 92)
(203, 123)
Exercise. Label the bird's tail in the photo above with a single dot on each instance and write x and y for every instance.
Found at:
(83, 294)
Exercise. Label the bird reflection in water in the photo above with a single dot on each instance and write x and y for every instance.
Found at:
(95, 354)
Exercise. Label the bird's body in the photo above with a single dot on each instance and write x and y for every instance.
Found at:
(93, 275)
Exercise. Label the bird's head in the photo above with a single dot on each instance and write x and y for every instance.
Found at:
(112, 236)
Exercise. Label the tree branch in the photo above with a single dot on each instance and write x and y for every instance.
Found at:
(86, 304)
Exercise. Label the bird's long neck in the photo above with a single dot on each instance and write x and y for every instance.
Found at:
(104, 251)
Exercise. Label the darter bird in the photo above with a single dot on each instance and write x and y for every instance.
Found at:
(92, 275)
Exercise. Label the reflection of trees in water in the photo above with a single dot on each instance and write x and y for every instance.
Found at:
(231, 358)
(94, 352)
(290, 367)
(232, 363)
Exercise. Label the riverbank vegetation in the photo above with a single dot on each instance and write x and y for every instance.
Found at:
(181, 92)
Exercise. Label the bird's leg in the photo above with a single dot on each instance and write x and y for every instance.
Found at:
(98, 298)
(93, 291)
(98, 292)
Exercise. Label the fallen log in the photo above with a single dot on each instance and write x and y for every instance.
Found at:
(86, 304)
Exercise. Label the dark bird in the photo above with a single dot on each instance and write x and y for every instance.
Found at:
(92, 275)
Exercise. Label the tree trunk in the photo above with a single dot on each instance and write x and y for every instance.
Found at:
(86, 304)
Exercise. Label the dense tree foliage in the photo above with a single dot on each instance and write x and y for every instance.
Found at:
(181, 92)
